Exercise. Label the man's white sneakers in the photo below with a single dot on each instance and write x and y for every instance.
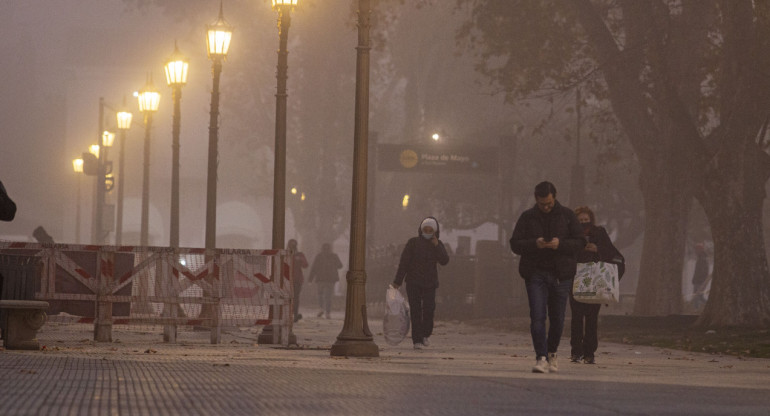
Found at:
(541, 366)
(553, 363)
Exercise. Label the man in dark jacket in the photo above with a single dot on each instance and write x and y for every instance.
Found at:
(324, 272)
(418, 267)
(547, 237)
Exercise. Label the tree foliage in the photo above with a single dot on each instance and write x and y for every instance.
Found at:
(686, 80)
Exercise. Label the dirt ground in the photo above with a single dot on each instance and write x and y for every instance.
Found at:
(676, 332)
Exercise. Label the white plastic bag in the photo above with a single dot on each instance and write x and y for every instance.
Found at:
(596, 283)
(396, 323)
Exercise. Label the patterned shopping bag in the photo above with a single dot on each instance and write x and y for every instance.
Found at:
(596, 282)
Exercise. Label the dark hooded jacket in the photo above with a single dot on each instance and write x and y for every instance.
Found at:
(606, 250)
(561, 223)
(418, 261)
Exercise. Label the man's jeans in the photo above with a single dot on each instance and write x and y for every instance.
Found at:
(547, 297)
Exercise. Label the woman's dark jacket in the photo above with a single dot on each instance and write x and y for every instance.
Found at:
(561, 223)
(418, 262)
(606, 251)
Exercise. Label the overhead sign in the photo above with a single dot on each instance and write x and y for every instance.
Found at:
(437, 159)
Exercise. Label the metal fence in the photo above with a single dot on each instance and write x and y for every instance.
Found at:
(154, 290)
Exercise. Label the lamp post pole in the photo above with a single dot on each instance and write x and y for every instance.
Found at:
(124, 123)
(176, 94)
(149, 100)
(176, 77)
(356, 339)
(218, 43)
(279, 166)
(121, 187)
(77, 166)
(100, 177)
(143, 235)
(284, 8)
(211, 194)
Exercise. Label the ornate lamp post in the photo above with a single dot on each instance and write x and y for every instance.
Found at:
(149, 100)
(176, 78)
(124, 123)
(218, 43)
(355, 339)
(77, 167)
(283, 7)
(104, 184)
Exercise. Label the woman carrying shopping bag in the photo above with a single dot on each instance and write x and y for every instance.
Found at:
(585, 316)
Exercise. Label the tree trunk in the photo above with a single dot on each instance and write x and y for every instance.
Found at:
(667, 207)
(740, 286)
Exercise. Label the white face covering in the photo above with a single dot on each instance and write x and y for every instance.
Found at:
(427, 236)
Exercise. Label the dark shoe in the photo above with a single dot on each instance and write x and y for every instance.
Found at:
(575, 358)
(297, 317)
(589, 360)
(320, 314)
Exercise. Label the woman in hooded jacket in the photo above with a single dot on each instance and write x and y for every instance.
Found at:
(418, 268)
(585, 316)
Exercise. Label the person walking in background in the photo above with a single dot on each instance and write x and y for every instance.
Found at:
(547, 237)
(7, 213)
(325, 274)
(7, 206)
(585, 316)
(299, 262)
(700, 276)
(418, 267)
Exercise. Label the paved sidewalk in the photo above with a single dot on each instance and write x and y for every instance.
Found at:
(466, 371)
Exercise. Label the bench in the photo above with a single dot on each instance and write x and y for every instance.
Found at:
(20, 315)
(22, 320)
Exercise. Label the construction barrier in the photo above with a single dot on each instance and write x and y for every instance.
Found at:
(162, 287)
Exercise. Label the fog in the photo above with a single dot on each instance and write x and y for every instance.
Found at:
(61, 57)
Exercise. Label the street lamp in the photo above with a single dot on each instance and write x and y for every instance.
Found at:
(176, 77)
(124, 123)
(218, 43)
(356, 339)
(77, 166)
(149, 100)
(284, 8)
(103, 168)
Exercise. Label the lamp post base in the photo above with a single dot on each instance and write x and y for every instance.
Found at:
(355, 348)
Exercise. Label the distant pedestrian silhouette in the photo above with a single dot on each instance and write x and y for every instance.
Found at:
(324, 273)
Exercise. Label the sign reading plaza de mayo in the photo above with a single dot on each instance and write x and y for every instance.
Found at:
(437, 159)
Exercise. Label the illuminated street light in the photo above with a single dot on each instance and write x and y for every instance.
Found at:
(435, 137)
(176, 77)
(218, 36)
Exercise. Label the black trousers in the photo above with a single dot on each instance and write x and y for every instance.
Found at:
(422, 305)
(583, 334)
